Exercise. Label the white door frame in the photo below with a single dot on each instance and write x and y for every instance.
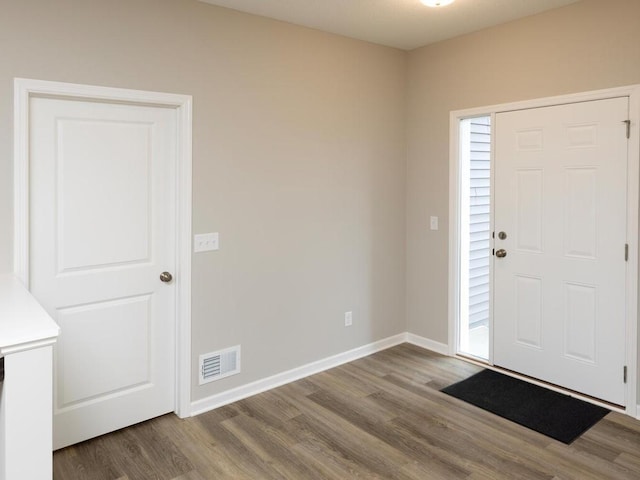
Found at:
(633, 195)
(24, 90)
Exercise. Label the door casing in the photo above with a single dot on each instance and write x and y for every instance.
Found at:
(633, 187)
(24, 90)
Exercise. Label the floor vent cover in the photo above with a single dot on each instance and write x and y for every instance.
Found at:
(221, 364)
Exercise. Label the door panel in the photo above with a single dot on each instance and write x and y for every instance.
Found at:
(91, 331)
(528, 310)
(119, 153)
(102, 222)
(580, 321)
(559, 293)
(580, 216)
(529, 212)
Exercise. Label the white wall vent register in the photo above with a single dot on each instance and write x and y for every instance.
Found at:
(220, 364)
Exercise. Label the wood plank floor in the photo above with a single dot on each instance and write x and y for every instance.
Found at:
(378, 417)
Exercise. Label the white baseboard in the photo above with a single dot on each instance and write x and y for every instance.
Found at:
(427, 343)
(259, 386)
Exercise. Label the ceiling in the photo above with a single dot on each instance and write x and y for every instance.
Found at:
(404, 24)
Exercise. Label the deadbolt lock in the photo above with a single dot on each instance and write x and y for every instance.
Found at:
(502, 235)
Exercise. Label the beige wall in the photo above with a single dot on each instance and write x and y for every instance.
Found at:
(300, 141)
(299, 163)
(585, 46)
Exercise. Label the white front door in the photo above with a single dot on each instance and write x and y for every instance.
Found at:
(102, 230)
(559, 293)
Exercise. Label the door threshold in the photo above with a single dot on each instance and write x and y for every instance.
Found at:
(472, 359)
(572, 393)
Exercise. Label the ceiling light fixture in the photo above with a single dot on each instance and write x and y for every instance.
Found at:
(437, 3)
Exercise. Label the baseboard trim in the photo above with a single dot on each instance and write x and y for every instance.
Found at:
(427, 343)
(259, 386)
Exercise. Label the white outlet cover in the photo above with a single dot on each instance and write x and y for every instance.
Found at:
(205, 242)
(348, 319)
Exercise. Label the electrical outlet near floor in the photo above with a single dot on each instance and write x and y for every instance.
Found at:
(348, 319)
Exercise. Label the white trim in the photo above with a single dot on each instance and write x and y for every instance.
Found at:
(21, 182)
(427, 343)
(492, 244)
(262, 385)
(454, 231)
(183, 258)
(625, 91)
(633, 192)
(24, 89)
(29, 345)
(633, 92)
(279, 379)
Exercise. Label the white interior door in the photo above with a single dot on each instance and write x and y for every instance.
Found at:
(102, 225)
(560, 198)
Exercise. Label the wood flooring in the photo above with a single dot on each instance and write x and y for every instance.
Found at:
(380, 417)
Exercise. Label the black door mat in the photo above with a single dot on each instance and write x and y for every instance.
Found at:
(551, 413)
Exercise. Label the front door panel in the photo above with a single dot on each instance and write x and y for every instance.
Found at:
(559, 296)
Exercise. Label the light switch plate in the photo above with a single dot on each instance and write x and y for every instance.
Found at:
(205, 242)
(433, 223)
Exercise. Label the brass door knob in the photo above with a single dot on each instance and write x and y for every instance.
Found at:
(501, 253)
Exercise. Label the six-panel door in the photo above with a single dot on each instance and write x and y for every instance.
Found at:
(559, 293)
